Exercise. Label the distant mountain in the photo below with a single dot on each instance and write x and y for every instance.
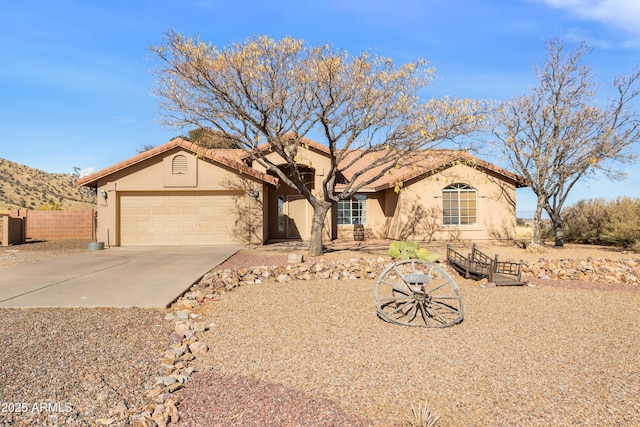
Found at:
(524, 214)
(25, 187)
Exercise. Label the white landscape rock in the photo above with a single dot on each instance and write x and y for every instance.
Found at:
(198, 348)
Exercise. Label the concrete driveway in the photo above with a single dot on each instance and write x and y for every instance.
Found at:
(115, 277)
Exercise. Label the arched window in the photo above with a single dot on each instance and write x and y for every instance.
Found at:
(459, 205)
(179, 164)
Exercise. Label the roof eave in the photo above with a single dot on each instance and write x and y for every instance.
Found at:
(92, 180)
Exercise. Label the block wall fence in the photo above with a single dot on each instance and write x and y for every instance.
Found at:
(48, 225)
(11, 230)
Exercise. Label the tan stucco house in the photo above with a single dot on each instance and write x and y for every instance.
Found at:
(182, 194)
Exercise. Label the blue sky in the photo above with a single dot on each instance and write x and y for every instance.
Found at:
(75, 76)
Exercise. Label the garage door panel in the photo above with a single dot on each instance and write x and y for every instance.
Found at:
(206, 224)
(156, 224)
(192, 240)
(178, 218)
(191, 210)
(155, 210)
(206, 210)
(173, 210)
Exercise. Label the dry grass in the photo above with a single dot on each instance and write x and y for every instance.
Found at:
(421, 417)
(524, 232)
(25, 187)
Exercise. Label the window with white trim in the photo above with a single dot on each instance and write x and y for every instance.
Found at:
(353, 210)
(459, 205)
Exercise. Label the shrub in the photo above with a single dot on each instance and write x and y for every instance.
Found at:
(50, 206)
(409, 249)
(623, 227)
(585, 221)
(614, 223)
(546, 231)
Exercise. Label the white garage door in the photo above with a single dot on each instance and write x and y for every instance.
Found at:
(162, 219)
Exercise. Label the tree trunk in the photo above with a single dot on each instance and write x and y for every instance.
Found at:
(559, 231)
(537, 222)
(320, 210)
(558, 227)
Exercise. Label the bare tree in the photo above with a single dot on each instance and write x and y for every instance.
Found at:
(280, 92)
(556, 136)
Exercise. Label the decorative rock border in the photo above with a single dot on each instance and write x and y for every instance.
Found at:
(623, 271)
(175, 367)
(175, 364)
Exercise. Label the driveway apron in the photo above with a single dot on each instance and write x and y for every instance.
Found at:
(114, 277)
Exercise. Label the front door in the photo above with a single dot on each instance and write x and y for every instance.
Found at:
(297, 218)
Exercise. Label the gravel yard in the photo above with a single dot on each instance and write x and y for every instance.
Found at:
(75, 366)
(314, 353)
(40, 251)
(523, 356)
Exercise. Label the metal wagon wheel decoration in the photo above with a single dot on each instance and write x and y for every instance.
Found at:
(417, 293)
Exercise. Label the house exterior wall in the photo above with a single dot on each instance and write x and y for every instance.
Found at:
(416, 212)
(320, 163)
(155, 175)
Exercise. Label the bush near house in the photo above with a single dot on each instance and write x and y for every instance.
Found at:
(598, 221)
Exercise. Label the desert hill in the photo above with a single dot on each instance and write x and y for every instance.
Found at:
(25, 187)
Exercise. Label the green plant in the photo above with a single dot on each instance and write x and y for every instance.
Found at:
(410, 249)
(50, 206)
(421, 417)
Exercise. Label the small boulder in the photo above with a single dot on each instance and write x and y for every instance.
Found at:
(294, 258)
(198, 348)
(176, 336)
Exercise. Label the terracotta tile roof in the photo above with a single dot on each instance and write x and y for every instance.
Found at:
(228, 157)
(429, 162)
(232, 153)
(436, 159)
(309, 142)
